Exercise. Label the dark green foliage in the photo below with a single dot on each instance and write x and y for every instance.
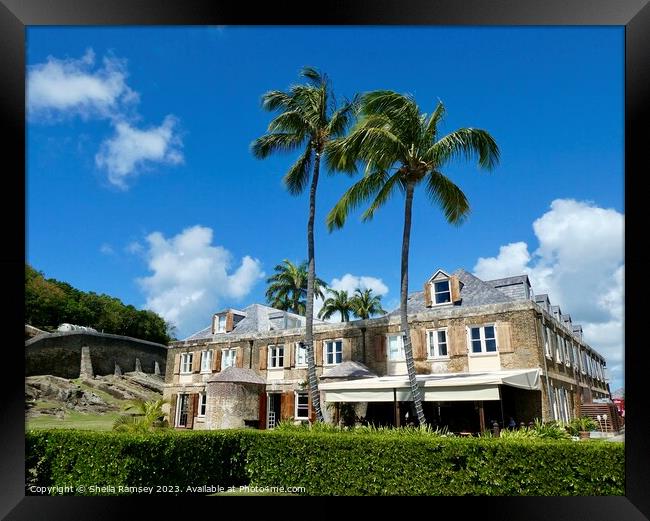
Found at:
(324, 463)
(66, 457)
(49, 303)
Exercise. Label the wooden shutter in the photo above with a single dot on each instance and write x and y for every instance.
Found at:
(217, 360)
(172, 410)
(312, 411)
(457, 340)
(418, 341)
(427, 295)
(263, 356)
(454, 286)
(504, 337)
(380, 346)
(292, 353)
(318, 351)
(196, 362)
(177, 364)
(239, 357)
(287, 405)
(262, 413)
(229, 322)
(193, 405)
(347, 349)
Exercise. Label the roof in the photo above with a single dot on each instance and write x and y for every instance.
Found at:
(257, 319)
(350, 370)
(473, 292)
(238, 375)
(507, 281)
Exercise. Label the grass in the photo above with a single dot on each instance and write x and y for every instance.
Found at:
(74, 420)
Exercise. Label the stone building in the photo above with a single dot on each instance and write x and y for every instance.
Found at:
(484, 351)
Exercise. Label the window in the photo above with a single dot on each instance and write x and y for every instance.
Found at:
(203, 402)
(333, 351)
(276, 356)
(576, 359)
(437, 343)
(182, 410)
(221, 324)
(558, 348)
(583, 358)
(302, 405)
(186, 362)
(483, 339)
(568, 353)
(301, 355)
(228, 358)
(547, 343)
(395, 347)
(441, 292)
(206, 361)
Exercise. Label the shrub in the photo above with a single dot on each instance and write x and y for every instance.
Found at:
(577, 425)
(355, 462)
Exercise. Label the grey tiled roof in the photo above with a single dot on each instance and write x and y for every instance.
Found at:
(473, 292)
(507, 281)
(239, 375)
(256, 321)
(349, 370)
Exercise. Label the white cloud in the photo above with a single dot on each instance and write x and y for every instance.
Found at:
(64, 87)
(61, 88)
(349, 283)
(134, 248)
(125, 154)
(579, 262)
(191, 276)
(106, 249)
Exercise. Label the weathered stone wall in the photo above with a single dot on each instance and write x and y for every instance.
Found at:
(230, 404)
(59, 354)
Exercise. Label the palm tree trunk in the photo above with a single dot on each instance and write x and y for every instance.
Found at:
(309, 312)
(408, 350)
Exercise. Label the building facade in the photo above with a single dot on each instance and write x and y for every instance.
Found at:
(484, 351)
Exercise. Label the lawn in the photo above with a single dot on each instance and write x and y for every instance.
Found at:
(74, 420)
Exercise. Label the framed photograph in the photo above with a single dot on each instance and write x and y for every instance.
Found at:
(369, 221)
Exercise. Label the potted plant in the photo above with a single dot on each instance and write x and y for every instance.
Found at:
(581, 426)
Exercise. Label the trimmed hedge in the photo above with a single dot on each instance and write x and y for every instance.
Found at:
(328, 463)
(103, 459)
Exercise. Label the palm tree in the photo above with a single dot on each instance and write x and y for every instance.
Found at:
(288, 287)
(149, 417)
(365, 304)
(307, 119)
(401, 149)
(340, 302)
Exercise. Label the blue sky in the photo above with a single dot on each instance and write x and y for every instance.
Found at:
(138, 158)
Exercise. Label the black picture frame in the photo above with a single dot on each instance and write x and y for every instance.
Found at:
(15, 15)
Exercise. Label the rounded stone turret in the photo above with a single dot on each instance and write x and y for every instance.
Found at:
(233, 399)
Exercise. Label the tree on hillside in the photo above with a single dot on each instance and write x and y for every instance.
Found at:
(308, 119)
(401, 150)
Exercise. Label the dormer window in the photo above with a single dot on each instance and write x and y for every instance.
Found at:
(441, 289)
(221, 324)
(441, 292)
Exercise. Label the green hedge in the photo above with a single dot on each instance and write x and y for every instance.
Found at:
(327, 463)
(177, 459)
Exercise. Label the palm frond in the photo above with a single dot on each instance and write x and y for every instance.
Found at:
(276, 100)
(265, 145)
(313, 75)
(357, 194)
(290, 122)
(400, 109)
(451, 199)
(341, 118)
(467, 143)
(383, 195)
(297, 178)
(432, 124)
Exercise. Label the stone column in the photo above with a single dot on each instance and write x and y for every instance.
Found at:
(156, 368)
(118, 370)
(86, 368)
(138, 366)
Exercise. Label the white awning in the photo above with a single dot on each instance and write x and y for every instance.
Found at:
(446, 387)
